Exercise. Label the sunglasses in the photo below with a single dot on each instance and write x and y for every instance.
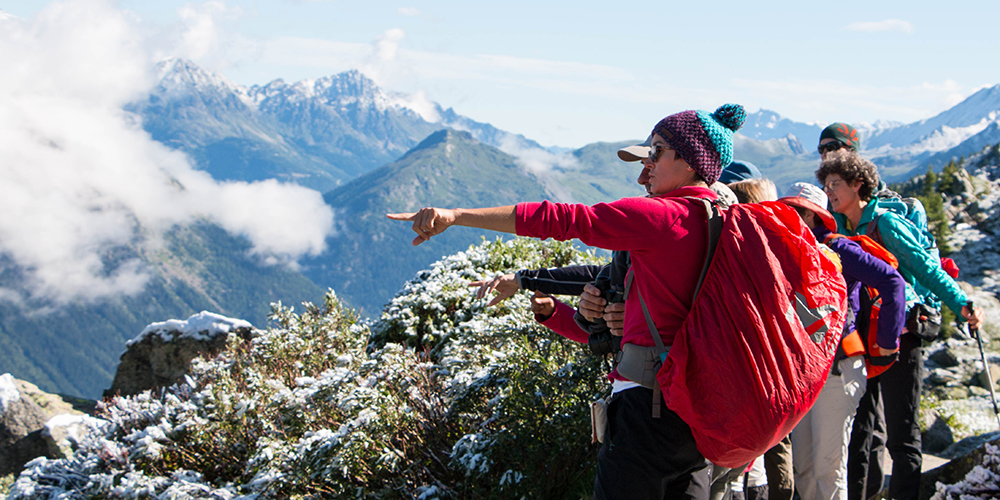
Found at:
(656, 150)
(832, 185)
(830, 146)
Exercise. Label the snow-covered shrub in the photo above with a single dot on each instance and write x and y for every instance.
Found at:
(440, 398)
(982, 482)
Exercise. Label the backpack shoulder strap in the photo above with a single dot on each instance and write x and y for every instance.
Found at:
(873, 232)
(714, 218)
(714, 221)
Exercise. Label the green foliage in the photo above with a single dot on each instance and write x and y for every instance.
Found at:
(930, 179)
(485, 403)
(948, 182)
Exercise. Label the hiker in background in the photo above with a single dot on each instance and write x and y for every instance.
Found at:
(819, 441)
(754, 190)
(666, 236)
(850, 183)
(739, 170)
(836, 136)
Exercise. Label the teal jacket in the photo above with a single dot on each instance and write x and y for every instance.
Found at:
(919, 261)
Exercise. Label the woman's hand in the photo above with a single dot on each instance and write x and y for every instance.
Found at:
(505, 285)
(882, 352)
(614, 316)
(974, 318)
(427, 222)
(591, 304)
(543, 305)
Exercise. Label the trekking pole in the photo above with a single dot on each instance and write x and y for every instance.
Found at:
(989, 376)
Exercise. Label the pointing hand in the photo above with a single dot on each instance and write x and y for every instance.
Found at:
(427, 222)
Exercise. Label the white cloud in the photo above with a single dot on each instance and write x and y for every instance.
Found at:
(889, 25)
(409, 11)
(543, 164)
(80, 181)
(206, 33)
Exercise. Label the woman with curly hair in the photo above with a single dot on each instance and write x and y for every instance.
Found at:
(850, 182)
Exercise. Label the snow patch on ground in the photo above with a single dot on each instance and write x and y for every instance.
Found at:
(8, 391)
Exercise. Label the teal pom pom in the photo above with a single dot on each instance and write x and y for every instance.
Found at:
(731, 116)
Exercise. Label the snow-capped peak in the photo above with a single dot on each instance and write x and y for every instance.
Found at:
(180, 76)
(344, 89)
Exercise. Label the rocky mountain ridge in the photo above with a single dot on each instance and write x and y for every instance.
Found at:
(318, 133)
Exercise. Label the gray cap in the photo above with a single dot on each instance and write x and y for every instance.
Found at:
(636, 152)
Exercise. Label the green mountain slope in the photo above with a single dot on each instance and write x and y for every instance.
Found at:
(371, 257)
(75, 349)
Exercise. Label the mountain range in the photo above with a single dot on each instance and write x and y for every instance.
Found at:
(318, 133)
(373, 151)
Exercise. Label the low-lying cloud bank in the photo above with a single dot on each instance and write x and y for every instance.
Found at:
(79, 177)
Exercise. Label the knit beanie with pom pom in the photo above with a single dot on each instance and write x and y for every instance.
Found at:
(703, 139)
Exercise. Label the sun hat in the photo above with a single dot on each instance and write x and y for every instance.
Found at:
(812, 198)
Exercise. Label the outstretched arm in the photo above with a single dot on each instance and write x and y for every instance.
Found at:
(434, 221)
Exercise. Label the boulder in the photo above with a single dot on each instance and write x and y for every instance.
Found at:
(62, 434)
(965, 455)
(945, 358)
(160, 356)
(938, 436)
(24, 410)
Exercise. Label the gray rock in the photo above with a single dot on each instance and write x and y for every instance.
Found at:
(975, 390)
(982, 379)
(161, 355)
(938, 437)
(23, 413)
(940, 376)
(945, 358)
(955, 392)
(62, 433)
(965, 455)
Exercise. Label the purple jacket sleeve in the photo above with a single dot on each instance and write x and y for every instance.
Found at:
(876, 273)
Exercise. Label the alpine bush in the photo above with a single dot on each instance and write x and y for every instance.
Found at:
(440, 397)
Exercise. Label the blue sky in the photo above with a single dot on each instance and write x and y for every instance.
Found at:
(571, 73)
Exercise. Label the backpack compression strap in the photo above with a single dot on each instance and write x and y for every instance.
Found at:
(714, 221)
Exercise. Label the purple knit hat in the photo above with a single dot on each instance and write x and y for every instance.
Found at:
(703, 139)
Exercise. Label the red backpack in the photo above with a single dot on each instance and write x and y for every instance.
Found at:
(871, 304)
(757, 346)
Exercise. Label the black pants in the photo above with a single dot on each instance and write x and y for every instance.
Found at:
(899, 387)
(648, 459)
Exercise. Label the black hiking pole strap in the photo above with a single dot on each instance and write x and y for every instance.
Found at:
(982, 353)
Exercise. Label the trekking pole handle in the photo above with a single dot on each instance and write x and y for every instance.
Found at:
(972, 311)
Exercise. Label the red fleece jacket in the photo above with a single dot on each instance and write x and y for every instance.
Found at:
(666, 236)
